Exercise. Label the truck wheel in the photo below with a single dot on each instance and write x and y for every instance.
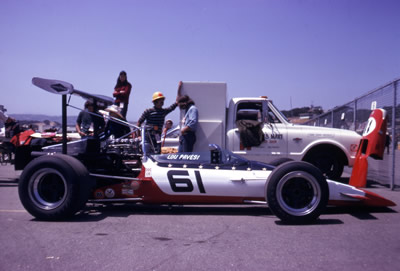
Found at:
(297, 192)
(329, 164)
(54, 187)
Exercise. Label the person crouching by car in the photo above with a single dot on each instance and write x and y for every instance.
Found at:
(189, 124)
(114, 128)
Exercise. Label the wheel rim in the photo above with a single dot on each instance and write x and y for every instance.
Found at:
(298, 193)
(47, 189)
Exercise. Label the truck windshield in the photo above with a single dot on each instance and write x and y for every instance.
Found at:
(279, 112)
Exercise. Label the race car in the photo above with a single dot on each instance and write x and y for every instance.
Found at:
(56, 186)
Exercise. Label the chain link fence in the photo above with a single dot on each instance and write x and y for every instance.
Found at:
(354, 116)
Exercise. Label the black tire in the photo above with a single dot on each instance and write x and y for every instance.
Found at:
(297, 192)
(328, 163)
(279, 161)
(54, 187)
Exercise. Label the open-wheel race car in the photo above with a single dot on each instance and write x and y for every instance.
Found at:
(56, 185)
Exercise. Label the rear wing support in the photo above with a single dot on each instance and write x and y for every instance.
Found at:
(64, 124)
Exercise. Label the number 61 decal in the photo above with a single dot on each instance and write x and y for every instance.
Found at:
(184, 184)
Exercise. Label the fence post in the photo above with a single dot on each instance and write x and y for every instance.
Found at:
(355, 115)
(394, 137)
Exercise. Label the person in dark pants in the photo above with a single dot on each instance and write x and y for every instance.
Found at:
(387, 142)
(122, 90)
(189, 124)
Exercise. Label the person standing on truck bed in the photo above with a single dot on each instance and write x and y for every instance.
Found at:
(122, 90)
(154, 118)
(189, 124)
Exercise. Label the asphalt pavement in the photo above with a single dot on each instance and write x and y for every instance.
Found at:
(138, 237)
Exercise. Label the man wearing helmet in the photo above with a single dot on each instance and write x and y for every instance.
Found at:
(154, 118)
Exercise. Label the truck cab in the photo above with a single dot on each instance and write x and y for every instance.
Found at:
(257, 110)
(327, 148)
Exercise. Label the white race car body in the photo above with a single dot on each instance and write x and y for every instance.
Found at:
(176, 178)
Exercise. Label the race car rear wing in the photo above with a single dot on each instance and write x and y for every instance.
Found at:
(65, 88)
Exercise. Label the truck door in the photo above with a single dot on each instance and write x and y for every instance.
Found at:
(275, 132)
(274, 143)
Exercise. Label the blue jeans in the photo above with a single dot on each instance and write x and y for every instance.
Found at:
(186, 142)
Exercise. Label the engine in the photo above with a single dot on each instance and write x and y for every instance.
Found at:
(123, 155)
(126, 148)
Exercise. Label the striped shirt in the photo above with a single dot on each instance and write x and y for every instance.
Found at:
(156, 116)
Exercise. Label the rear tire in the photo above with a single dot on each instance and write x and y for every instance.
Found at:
(297, 192)
(54, 187)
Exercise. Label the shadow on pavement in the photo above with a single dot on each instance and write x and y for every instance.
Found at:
(8, 183)
(319, 221)
(98, 212)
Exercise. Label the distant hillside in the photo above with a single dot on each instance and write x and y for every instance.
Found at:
(71, 120)
(297, 112)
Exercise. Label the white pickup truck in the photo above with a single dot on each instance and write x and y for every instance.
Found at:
(327, 148)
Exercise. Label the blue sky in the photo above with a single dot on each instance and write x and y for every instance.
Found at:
(296, 52)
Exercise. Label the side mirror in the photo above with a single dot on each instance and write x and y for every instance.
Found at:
(215, 152)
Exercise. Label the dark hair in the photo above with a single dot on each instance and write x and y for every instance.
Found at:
(88, 103)
(119, 82)
(185, 99)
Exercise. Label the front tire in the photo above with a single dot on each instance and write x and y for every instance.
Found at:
(54, 187)
(297, 192)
